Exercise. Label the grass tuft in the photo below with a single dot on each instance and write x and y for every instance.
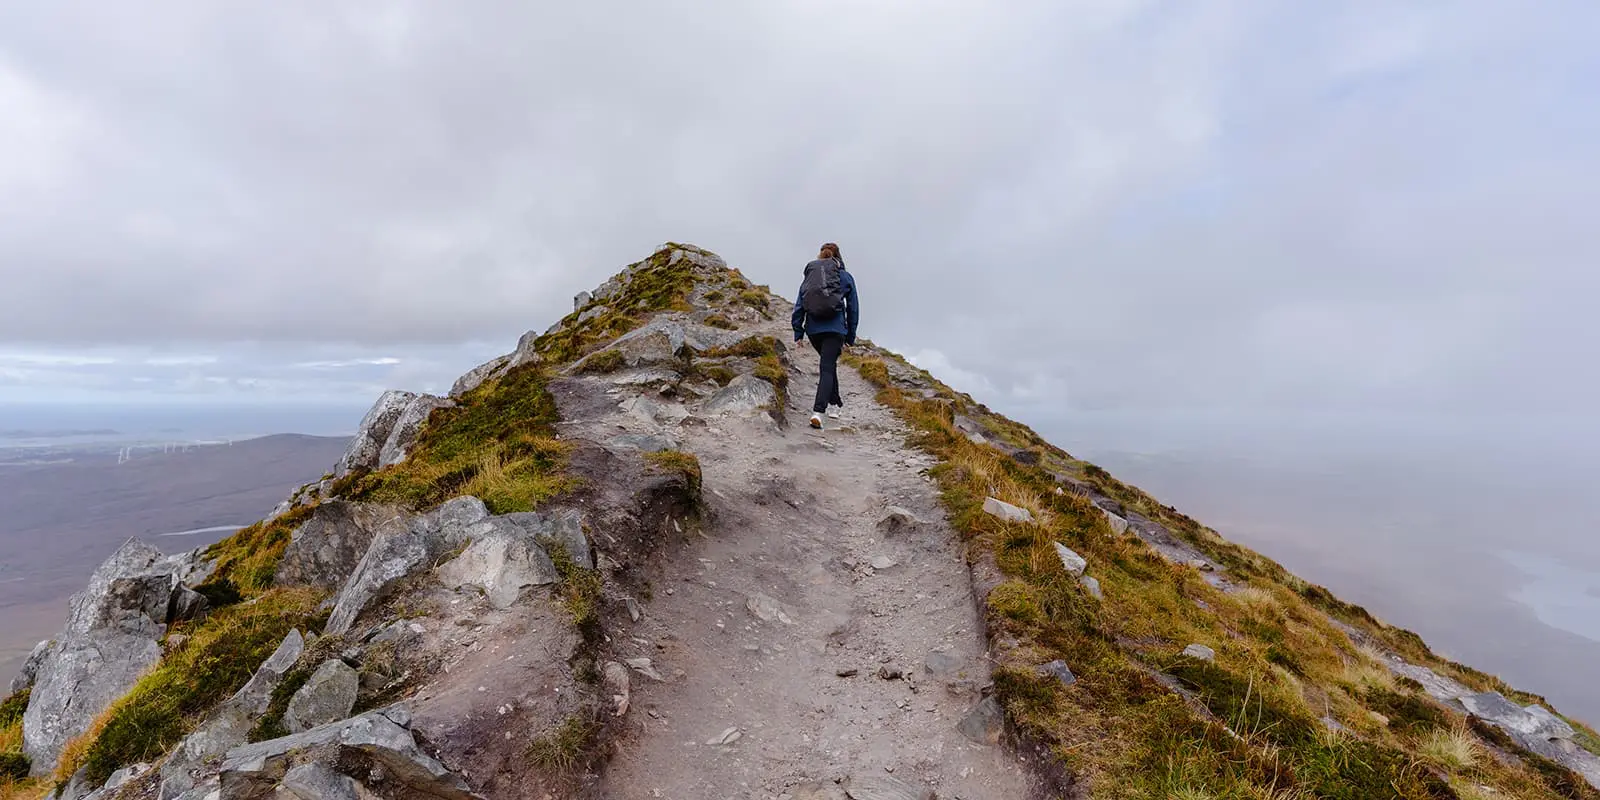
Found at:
(680, 462)
(566, 748)
(603, 362)
(1456, 749)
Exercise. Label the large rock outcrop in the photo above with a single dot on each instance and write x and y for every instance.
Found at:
(379, 743)
(367, 446)
(112, 636)
(326, 549)
(407, 426)
(399, 550)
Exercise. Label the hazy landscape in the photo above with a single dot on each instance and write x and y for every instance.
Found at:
(1477, 534)
(69, 496)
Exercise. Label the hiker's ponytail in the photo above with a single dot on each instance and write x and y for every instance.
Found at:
(831, 250)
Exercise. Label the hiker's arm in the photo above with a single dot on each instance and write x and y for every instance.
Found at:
(798, 319)
(854, 314)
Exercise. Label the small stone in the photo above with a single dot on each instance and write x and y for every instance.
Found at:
(883, 787)
(1118, 524)
(767, 609)
(940, 662)
(1006, 511)
(1058, 669)
(1201, 652)
(818, 790)
(889, 673)
(1074, 563)
(728, 736)
(883, 563)
(985, 723)
(634, 613)
(644, 667)
(1091, 586)
(848, 673)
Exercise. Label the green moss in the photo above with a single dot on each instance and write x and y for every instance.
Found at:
(220, 592)
(581, 593)
(602, 362)
(1406, 711)
(654, 285)
(875, 372)
(679, 462)
(497, 445)
(714, 296)
(756, 297)
(248, 560)
(719, 321)
(718, 373)
(220, 656)
(12, 708)
(14, 766)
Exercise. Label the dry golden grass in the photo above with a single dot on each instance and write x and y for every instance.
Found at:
(77, 750)
(1255, 597)
(1455, 749)
(1366, 670)
(23, 790)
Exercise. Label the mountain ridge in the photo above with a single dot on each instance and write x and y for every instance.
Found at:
(1101, 644)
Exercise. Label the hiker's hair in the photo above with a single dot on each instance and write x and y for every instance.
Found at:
(830, 250)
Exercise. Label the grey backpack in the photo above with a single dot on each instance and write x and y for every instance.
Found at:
(822, 292)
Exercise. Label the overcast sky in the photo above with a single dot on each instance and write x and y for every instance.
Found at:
(1238, 205)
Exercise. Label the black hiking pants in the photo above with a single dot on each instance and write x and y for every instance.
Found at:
(829, 346)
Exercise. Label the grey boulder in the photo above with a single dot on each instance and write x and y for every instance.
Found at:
(479, 374)
(984, 723)
(110, 639)
(407, 427)
(561, 528)
(397, 551)
(1005, 511)
(367, 446)
(503, 560)
(743, 395)
(327, 696)
(1071, 561)
(325, 550)
(255, 771)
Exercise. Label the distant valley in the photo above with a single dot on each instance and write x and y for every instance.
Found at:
(65, 507)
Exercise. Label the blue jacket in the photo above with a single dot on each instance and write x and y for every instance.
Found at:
(839, 323)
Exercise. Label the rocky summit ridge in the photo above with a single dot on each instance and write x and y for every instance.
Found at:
(605, 565)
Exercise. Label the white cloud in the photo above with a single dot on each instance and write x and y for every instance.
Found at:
(962, 380)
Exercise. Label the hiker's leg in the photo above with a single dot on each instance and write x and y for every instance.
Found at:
(828, 346)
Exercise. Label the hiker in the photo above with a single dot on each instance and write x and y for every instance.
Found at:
(827, 311)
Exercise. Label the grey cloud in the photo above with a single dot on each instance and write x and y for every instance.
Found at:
(1113, 204)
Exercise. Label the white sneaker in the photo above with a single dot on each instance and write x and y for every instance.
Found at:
(816, 421)
(833, 412)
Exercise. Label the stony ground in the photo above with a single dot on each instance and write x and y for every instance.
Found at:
(804, 641)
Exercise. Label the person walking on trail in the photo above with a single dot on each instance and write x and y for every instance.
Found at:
(828, 312)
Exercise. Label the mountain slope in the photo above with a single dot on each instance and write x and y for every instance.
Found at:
(606, 566)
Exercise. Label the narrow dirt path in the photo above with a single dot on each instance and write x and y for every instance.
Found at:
(787, 624)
